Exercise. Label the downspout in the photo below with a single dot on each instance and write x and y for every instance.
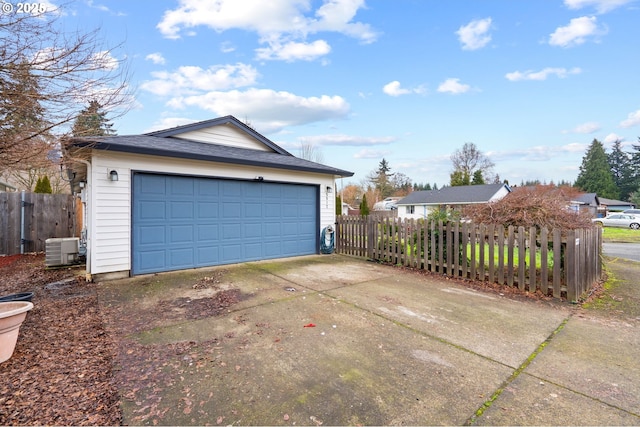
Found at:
(87, 218)
(22, 205)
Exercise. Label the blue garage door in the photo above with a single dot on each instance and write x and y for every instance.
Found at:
(185, 222)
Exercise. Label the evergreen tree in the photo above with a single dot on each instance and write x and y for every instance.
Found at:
(381, 179)
(634, 166)
(43, 185)
(595, 174)
(459, 178)
(364, 207)
(92, 121)
(22, 124)
(478, 179)
(338, 205)
(620, 164)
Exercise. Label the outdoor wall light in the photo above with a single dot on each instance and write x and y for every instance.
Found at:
(113, 175)
(329, 189)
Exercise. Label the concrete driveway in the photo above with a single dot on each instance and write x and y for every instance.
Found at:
(335, 340)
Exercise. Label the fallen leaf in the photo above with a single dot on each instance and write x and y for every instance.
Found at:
(310, 325)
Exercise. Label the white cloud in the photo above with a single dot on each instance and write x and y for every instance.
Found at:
(269, 110)
(156, 58)
(168, 123)
(577, 32)
(611, 138)
(542, 74)
(292, 51)
(191, 79)
(371, 154)
(395, 89)
(633, 119)
(453, 86)
(475, 34)
(279, 23)
(105, 60)
(601, 6)
(346, 140)
(227, 47)
(586, 128)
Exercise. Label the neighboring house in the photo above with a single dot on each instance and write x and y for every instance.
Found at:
(208, 193)
(420, 203)
(6, 188)
(586, 202)
(609, 205)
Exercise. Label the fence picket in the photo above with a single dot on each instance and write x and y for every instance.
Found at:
(532, 259)
(500, 237)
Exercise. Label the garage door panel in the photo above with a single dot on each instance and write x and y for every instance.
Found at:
(181, 258)
(181, 186)
(252, 231)
(152, 210)
(181, 210)
(231, 210)
(180, 234)
(208, 255)
(151, 235)
(207, 210)
(152, 260)
(208, 233)
(185, 222)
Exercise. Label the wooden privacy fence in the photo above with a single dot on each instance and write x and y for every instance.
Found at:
(561, 263)
(45, 216)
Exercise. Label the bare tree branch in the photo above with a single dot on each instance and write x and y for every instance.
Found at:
(65, 71)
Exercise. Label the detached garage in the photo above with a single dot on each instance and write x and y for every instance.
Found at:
(209, 193)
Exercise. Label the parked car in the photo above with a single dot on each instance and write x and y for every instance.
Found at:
(387, 204)
(618, 220)
(631, 211)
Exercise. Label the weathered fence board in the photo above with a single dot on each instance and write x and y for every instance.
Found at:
(45, 216)
(563, 264)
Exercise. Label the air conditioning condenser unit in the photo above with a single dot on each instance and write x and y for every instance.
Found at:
(61, 251)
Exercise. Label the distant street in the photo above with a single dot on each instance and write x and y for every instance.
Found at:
(622, 250)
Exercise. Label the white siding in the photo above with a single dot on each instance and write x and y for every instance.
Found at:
(419, 211)
(110, 202)
(224, 135)
(499, 194)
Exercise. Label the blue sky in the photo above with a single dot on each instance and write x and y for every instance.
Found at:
(530, 82)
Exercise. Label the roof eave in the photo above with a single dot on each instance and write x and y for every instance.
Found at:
(192, 156)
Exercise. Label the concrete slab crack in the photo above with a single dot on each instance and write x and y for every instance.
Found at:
(515, 374)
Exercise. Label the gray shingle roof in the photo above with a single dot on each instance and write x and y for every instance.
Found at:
(590, 199)
(163, 143)
(453, 195)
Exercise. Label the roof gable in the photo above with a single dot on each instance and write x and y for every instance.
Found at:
(168, 143)
(465, 194)
(226, 130)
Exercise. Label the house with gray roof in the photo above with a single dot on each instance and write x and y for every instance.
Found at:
(208, 193)
(419, 204)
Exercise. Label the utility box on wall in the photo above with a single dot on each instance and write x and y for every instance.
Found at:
(61, 251)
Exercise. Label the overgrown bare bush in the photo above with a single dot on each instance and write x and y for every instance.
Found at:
(539, 206)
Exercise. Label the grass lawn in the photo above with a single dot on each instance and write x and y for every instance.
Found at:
(496, 256)
(620, 235)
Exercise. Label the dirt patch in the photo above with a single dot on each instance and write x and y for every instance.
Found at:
(193, 309)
